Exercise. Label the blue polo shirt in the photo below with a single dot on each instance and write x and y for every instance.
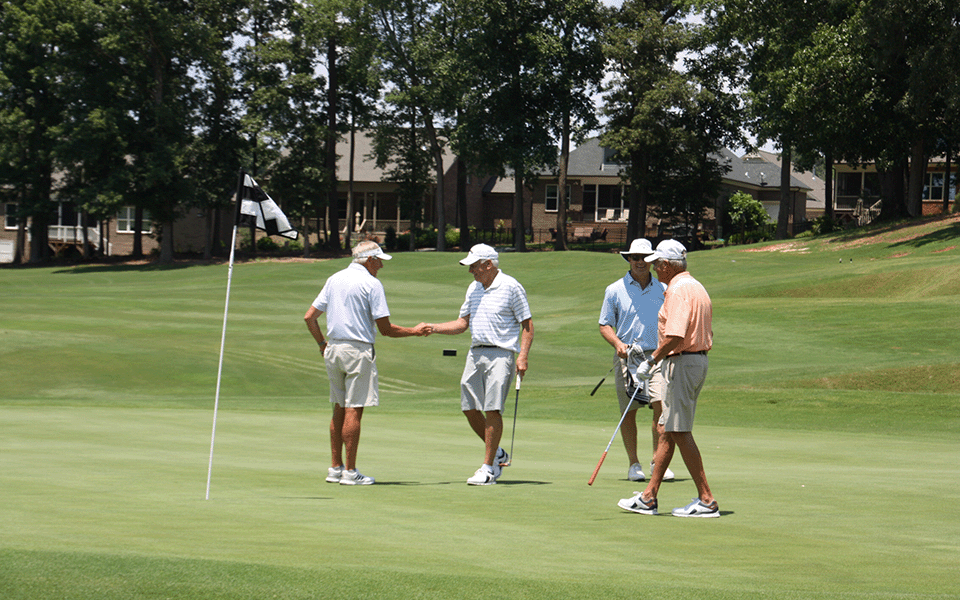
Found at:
(632, 310)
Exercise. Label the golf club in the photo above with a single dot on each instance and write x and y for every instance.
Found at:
(602, 380)
(516, 402)
(646, 394)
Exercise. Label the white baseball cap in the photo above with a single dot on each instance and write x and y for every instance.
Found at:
(638, 246)
(479, 252)
(668, 250)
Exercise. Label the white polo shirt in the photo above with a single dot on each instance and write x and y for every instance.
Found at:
(496, 312)
(353, 300)
(631, 309)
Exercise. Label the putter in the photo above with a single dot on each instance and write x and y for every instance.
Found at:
(646, 393)
(516, 402)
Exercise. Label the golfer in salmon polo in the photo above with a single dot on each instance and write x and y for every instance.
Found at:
(501, 333)
(685, 335)
(354, 301)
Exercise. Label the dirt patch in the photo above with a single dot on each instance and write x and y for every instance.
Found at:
(785, 247)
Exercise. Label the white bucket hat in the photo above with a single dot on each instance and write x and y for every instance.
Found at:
(637, 246)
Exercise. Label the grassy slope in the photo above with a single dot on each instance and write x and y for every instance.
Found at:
(832, 392)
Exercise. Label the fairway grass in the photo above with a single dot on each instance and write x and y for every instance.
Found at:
(829, 427)
(109, 503)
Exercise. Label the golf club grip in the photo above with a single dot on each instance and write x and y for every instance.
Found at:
(598, 386)
(597, 470)
(518, 382)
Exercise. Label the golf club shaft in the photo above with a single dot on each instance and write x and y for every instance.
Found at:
(610, 443)
(516, 402)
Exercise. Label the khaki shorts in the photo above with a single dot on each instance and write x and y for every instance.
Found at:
(486, 379)
(683, 377)
(352, 371)
(620, 380)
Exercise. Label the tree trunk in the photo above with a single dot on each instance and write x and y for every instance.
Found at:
(333, 201)
(918, 171)
(349, 224)
(166, 243)
(463, 220)
(828, 186)
(783, 219)
(561, 241)
(892, 192)
(437, 153)
(519, 231)
(137, 236)
(946, 182)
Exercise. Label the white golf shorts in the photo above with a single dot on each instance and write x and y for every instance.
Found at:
(352, 371)
(486, 379)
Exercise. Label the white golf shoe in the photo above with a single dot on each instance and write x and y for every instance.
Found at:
(697, 508)
(354, 477)
(485, 475)
(636, 504)
(635, 472)
(334, 474)
(503, 459)
(668, 476)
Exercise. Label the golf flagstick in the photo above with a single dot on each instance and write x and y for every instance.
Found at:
(622, 417)
(516, 402)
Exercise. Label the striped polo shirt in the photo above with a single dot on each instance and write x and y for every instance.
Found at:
(496, 312)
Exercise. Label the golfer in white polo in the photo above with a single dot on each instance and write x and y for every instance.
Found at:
(354, 300)
(501, 333)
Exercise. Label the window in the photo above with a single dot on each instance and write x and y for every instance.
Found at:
(933, 186)
(849, 184)
(10, 215)
(550, 203)
(126, 218)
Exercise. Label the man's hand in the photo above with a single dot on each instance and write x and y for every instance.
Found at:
(423, 329)
(643, 371)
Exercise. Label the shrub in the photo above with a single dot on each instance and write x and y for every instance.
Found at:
(266, 244)
(824, 224)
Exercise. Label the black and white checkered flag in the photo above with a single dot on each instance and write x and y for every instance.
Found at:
(260, 209)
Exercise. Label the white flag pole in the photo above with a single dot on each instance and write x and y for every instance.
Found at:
(223, 334)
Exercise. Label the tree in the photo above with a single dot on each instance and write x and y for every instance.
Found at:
(574, 28)
(32, 105)
(746, 213)
(416, 38)
(645, 98)
(507, 103)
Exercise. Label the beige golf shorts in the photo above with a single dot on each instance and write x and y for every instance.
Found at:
(352, 371)
(683, 377)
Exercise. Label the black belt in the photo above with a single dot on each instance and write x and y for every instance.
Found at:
(703, 352)
(484, 346)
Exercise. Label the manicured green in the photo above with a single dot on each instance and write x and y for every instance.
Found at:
(829, 427)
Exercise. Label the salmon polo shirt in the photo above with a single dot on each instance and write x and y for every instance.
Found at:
(687, 312)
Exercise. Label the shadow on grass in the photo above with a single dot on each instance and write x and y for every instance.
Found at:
(125, 268)
(941, 235)
(499, 482)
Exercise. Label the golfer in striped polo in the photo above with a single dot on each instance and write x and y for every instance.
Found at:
(501, 332)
